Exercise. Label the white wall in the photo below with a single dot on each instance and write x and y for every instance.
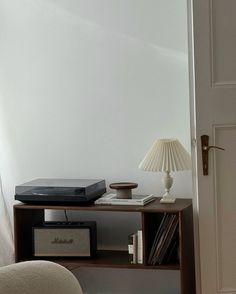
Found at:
(86, 86)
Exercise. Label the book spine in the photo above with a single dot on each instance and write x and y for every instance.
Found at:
(135, 248)
(140, 246)
(131, 248)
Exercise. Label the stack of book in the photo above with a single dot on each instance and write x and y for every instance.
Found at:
(111, 199)
(135, 247)
(165, 245)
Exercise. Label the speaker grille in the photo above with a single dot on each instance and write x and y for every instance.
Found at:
(62, 242)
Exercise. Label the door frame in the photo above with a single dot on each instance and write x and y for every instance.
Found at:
(192, 105)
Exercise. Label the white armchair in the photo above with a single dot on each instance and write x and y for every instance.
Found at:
(37, 277)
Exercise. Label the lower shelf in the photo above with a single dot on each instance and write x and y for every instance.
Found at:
(109, 259)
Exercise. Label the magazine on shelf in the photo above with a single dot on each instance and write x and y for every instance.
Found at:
(165, 240)
(157, 237)
(168, 236)
(111, 199)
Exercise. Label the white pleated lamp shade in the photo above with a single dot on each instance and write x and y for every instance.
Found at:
(166, 155)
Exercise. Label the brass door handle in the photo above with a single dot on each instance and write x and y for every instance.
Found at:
(205, 149)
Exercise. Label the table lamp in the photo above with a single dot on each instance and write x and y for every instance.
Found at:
(166, 155)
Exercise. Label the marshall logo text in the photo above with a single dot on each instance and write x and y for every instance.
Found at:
(62, 241)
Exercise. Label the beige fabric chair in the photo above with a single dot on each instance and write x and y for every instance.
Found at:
(37, 277)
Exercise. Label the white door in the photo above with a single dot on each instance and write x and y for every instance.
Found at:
(214, 85)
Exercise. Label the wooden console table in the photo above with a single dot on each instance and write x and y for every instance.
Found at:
(26, 216)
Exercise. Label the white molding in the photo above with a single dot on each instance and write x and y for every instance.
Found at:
(228, 291)
(214, 83)
(216, 206)
(211, 42)
(230, 84)
(192, 103)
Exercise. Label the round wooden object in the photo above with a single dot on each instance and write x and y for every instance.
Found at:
(123, 189)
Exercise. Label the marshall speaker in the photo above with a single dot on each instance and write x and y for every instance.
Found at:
(65, 239)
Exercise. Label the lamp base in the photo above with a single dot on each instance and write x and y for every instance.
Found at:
(167, 181)
(167, 200)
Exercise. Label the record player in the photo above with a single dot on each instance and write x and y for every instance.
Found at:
(60, 191)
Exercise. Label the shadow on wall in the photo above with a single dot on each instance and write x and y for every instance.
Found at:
(86, 87)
